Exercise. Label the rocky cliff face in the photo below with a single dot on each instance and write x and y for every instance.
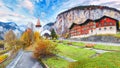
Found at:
(80, 14)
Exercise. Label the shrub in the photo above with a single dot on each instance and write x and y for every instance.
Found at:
(3, 57)
(60, 41)
(69, 43)
(89, 45)
(4, 51)
(45, 48)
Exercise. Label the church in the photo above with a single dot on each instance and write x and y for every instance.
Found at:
(38, 26)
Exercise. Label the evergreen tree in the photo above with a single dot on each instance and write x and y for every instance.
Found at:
(53, 34)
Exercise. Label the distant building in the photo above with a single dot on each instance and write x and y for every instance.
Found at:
(38, 26)
(104, 25)
(46, 34)
(2, 47)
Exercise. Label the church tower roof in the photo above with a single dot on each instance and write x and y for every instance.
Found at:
(38, 23)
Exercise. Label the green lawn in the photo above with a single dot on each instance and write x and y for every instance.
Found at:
(65, 41)
(78, 43)
(74, 53)
(106, 60)
(56, 62)
(56, 40)
(107, 47)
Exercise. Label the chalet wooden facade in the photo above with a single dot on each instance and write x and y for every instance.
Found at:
(104, 25)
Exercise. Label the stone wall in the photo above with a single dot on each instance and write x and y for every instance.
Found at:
(110, 39)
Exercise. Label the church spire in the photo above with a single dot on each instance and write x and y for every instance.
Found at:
(38, 23)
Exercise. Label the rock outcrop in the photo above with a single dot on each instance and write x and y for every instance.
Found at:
(80, 14)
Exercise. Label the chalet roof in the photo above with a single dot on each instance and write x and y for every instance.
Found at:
(104, 17)
(89, 20)
(45, 31)
(38, 23)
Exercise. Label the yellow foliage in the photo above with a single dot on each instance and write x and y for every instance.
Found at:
(37, 36)
(3, 57)
(45, 48)
(27, 38)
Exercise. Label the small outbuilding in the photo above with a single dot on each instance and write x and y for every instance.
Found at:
(46, 34)
(2, 47)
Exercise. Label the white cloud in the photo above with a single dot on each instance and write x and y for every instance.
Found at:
(6, 15)
(70, 4)
(73, 3)
(17, 19)
(53, 7)
(27, 4)
(47, 2)
(98, 2)
(1, 4)
(110, 3)
(43, 14)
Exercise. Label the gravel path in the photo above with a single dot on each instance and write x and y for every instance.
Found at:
(67, 58)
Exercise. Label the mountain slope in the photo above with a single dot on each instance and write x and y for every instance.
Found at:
(80, 14)
(48, 26)
(6, 26)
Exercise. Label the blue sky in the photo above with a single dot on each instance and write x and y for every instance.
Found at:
(24, 11)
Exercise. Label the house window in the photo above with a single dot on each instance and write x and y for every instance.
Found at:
(91, 27)
(99, 25)
(111, 23)
(110, 27)
(77, 33)
(94, 26)
(105, 28)
(91, 30)
(105, 24)
(99, 28)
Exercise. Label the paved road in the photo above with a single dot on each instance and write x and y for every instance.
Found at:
(104, 43)
(27, 61)
(24, 60)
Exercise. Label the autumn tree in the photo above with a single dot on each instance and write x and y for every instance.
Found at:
(45, 48)
(10, 37)
(27, 37)
(37, 36)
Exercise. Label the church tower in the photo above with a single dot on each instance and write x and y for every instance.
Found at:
(38, 26)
